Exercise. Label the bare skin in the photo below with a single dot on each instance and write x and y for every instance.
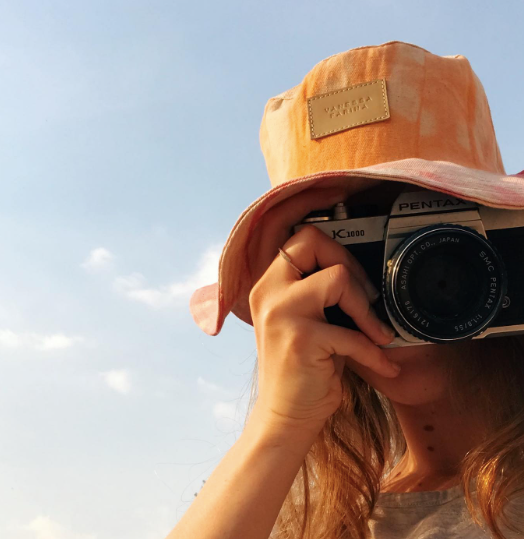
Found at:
(437, 437)
(300, 361)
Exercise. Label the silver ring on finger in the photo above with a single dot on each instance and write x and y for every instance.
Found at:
(285, 256)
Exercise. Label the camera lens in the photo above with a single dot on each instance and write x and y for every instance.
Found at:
(445, 283)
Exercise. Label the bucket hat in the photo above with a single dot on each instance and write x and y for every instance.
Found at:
(389, 112)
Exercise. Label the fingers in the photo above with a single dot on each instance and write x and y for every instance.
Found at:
(337, 285)
(347, 342)
(311, 248)
(338, 282)
(275, 227)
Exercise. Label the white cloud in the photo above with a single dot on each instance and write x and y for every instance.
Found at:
(230, 415)
(227, 407)
(225, 410)
(118, 380)
(159, 521)
(99, 260)
(43, 527)
(10, 339)
(212, 390)
(134, 286)
(56, 342)
(35, 341)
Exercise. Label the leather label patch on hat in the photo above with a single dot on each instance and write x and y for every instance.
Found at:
(346, 108)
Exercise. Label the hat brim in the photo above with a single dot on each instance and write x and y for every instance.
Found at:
(211, 304)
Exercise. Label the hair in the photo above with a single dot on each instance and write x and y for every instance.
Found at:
(335, 491)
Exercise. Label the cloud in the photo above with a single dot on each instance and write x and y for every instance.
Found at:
(225, 410)
(134, 286)
(118, 380)
(43, 527)
(230, 416)
(10, 339)
(35, 341)
(99, 260)
(56, 342)
(159, 521)
(212, 390)
(226, 406)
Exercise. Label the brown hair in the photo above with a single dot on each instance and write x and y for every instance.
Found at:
(337, 486)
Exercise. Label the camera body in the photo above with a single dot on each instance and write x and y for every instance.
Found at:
(449, 269)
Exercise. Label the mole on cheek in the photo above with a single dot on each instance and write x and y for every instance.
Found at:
(429, 427)
(430, 448)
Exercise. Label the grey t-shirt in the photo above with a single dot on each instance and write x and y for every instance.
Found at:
(439, 514)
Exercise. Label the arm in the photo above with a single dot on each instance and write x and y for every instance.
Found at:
(244, 494)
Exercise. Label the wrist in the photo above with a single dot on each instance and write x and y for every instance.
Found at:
(277, 431)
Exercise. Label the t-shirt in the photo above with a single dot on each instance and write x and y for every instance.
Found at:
(438, 514)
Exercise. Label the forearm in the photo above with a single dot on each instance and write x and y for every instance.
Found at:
(244, 494)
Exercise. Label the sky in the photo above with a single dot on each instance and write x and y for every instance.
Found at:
(128, 148)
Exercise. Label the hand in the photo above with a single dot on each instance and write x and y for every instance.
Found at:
(301, 356)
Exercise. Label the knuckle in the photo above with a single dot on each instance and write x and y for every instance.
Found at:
(360, 338)
(255, 296)
(252, 296)
(339, 273)
(371, 313)
(310, 231)
(295, 340)
(269, 312)
(362, 341)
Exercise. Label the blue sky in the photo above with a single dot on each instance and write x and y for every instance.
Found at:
(128, 148)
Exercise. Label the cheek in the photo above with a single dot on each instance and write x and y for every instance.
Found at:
(417, 384)
(425, 352)
(421, 380)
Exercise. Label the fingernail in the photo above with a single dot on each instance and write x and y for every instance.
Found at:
(388, 331)
(371, 291)
(395, 367)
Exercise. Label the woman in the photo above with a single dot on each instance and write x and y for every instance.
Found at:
(332, 416)
(338, 444)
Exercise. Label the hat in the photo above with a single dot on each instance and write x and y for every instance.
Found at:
(376, 113)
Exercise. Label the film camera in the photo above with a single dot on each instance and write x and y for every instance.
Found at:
(449, 269)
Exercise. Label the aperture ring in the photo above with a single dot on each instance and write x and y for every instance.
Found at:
(471, 249)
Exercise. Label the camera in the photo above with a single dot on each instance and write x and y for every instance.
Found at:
(448, 269)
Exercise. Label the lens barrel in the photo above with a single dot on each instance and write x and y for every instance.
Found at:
(445, 283)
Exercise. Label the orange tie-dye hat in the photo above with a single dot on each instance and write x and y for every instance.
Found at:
(389, 112)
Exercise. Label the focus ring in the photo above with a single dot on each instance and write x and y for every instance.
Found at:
(413, 297)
